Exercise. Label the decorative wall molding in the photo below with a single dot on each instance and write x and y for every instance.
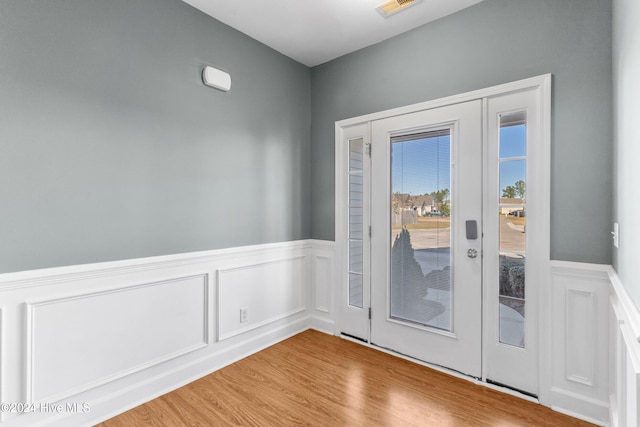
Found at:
(580, 320)
(589, 309)
(624, 345)
(630, 313)
(321, 271)
(66, 274)
(48, 315)
(70, 341)
(579, 339)
(598, 309)
(249, 286)
(323, 286)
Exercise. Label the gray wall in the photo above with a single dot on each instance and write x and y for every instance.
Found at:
(111, 147)
(493, 42)
(626, 60)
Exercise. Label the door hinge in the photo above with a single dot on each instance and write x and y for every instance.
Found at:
(368, 144)
(369, 313)
(369, 231)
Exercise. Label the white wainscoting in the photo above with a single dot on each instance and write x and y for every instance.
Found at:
(281, 282)
(322, 313)
(624, 329)
(71, 341)
(115, 335)
(579, 339)
(595, 372)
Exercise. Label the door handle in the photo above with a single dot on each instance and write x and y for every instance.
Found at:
(472, 253)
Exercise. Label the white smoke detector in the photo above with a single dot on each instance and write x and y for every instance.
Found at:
(394, 6)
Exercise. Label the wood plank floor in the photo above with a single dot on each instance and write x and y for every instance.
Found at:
(314, 379)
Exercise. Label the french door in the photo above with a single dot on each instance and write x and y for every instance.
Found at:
(443, 231)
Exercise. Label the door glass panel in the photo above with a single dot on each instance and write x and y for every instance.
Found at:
(513, 227)
(512, 133)
(356, 221)
(513, 177)
(355, 190)
(512, 321)
(420, 285)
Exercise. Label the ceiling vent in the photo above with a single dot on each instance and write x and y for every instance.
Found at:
(394, 6)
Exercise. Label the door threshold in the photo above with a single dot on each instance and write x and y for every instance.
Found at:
(353, 338)
(502, 386)
(457, 374)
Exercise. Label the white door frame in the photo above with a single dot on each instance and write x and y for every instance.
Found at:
(540, 242)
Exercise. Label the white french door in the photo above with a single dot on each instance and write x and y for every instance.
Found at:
(443, 229)
(426, 281)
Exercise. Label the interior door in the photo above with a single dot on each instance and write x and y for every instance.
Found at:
(426, 235)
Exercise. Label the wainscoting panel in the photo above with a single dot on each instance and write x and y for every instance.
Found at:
(82, 341)
(321, 275)
(579, 339)
(581, 321)
(624, 329)
(250, 287)
(323, 285)
(115, 335)
(95, 340)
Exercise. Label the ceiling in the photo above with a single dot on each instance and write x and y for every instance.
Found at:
(316, 31)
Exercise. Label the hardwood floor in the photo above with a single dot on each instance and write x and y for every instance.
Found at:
(314, 379)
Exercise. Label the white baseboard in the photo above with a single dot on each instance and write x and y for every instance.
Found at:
(322, 325)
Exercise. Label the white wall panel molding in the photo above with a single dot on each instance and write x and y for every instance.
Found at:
(246, 288)
(579, 339)
(323, 285)
(74, 273)
(624, 344)
(630, 314)
(79, 342)
(321, 271)
(117, 334)
(580, 322)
